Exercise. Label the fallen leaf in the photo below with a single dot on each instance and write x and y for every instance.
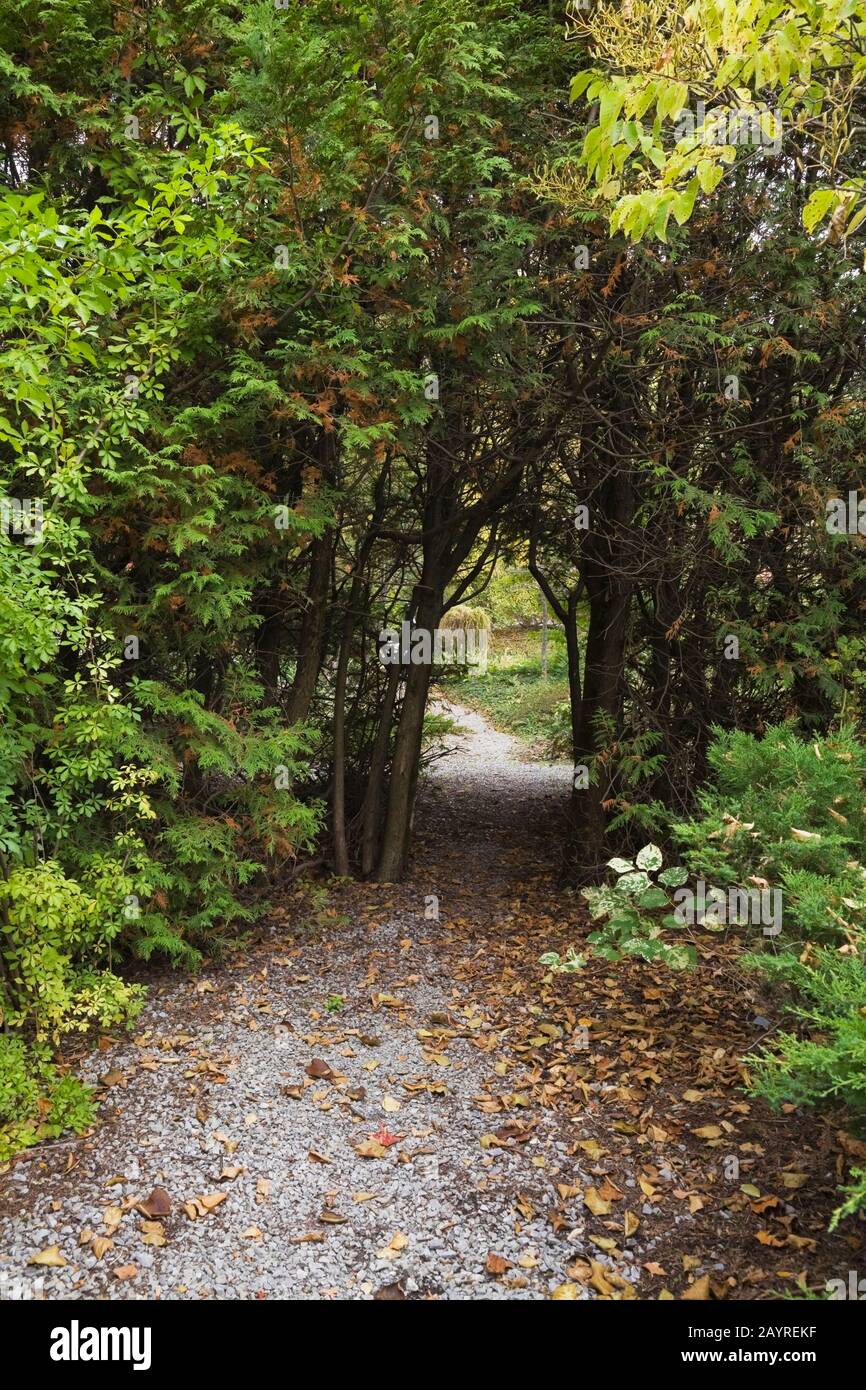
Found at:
(50, 1256)
(699, 1291)
(708, 1132)
(212, 1200)
(112, 1078)
(767, 1238)
(371, 1148)
(385, 1137)
(157, 1204)
(794, 1180)
(597, 1205)
(591, 1147)
(318, 1069)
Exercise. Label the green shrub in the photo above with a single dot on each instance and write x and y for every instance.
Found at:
(632, 908)
(36, 1101)
(53, 937)
(792, 813)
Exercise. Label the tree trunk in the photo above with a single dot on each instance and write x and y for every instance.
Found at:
(338, 801)
(407, 752)
(311, 642)
(572, 647)
(609, 592)
(372, 808)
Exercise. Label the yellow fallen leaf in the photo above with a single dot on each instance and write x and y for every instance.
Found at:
(212, 1199)
(599, 1280)
(371, 1148)
(153, 1233)
(390, 1104)
(566, 1292)
(591, 1147)
(50, 1256)
(597, 1205)
(699, 1291)
(794, 1180)
(767, 1238)
(603, 1242)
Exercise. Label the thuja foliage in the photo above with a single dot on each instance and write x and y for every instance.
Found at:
(790, 813)
(134, 810)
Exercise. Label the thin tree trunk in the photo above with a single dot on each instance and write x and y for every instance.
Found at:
(407, 753)
(372, 808)
(572, 647)
(338, 802)
(311, 642)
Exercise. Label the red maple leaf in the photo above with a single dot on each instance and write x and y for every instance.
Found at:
(385, 1137)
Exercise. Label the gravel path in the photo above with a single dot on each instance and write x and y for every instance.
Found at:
(271, 1190)
(384, 1097)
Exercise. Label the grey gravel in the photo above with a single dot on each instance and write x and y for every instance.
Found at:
(214, 1040)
